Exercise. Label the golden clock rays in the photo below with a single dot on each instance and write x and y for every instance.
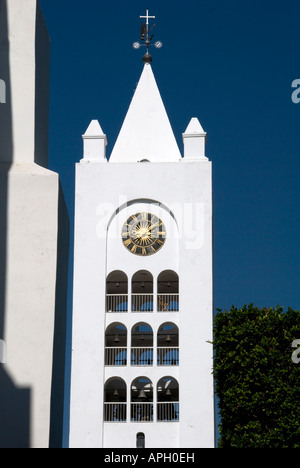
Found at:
(143, 234)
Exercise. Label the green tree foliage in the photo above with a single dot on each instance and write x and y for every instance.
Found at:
(257, 383)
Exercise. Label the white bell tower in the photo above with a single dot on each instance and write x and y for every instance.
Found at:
(143, 285)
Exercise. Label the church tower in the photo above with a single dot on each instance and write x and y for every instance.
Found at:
(143, 286)
(34, 231)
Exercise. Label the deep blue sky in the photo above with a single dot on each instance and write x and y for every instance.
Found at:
(231, 64)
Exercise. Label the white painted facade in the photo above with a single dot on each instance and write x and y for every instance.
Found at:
(33, 219)
(178, 191)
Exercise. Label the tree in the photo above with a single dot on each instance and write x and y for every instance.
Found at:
(257, 382)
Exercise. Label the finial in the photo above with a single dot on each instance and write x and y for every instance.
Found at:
(147, 37)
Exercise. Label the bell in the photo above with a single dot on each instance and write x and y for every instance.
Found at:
(116, 395)
(168, 339)
(142, 395)
(116, 339)
(168, 393)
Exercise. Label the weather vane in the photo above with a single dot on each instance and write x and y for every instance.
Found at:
(147, 37)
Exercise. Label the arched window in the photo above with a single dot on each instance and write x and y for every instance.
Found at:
(142, 400)
(117, 292)
(141, 345)
(116, 345)
(168, 291)
(167, 399)
(115, 397)
(140, 440)
(168, 345)
(142, 291)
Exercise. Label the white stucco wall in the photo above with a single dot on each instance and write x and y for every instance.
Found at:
(24, 67)
(30, 224)
(31, 261)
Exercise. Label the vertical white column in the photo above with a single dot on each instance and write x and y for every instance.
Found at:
(194, 142)
(94, 144)
(24, 67)
(30, 194)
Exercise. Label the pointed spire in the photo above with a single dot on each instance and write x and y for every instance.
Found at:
(94, 143)
(194, 142)
(146, 133)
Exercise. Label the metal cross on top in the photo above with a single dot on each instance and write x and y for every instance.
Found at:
(145, 36)
(147, 17)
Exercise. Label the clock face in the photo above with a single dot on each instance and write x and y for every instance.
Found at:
(143, 234)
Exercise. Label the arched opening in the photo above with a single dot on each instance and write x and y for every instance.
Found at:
(167, 399)
(168, 345)
(141, 345)
(116, 345)
(115, 397)
(140, 440)
(142, 400)
(168, 291)
(142, 291)
(117, 292)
